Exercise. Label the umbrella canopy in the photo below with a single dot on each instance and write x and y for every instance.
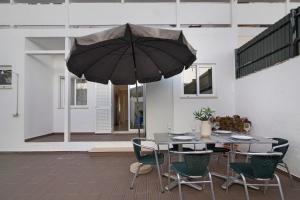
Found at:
(130, 53)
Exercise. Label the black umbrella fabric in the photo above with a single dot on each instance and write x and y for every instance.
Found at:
(130, 53)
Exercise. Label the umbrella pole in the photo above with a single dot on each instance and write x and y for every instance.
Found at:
(136, 109)
(136, 86)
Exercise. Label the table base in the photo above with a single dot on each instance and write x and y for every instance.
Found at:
(174, 183)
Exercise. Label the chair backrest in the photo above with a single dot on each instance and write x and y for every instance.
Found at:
(196, 162)
(137, 148)
(263, 165)
(210, 146)
(282, 146)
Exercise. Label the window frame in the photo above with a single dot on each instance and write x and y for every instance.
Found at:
(61, 97)
(198, 95)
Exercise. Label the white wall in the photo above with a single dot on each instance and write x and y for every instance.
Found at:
(213, 46)
(159, 106)
(164, 102)
(12, 129)
(82, 119)
(38, 113)
(270, 99)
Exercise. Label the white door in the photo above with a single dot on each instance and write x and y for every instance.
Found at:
(103, 108)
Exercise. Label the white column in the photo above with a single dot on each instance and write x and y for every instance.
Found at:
(177, 13)
(67, 113)
(234, 23)
(67, 116)
(287, 7)
(233, 16)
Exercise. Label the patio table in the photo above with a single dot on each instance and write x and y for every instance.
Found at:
(215, 138)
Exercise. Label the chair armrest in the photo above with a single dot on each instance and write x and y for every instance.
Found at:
(192, 152)
(143, 146)
(280, 146)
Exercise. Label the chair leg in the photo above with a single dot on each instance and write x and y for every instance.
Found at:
(228, 170)
(179, 186)
(245, 186)
(288, 171)
(159, 177)
(135, 175)
(280, 188)
(266, 187)
(211, 187)
(218, 158)
(169, 168)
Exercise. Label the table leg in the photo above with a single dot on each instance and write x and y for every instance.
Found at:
(174, 183)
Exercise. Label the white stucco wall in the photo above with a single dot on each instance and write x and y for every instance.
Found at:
(270, 99)
(215, 45)
(82, 119)
(38, 113)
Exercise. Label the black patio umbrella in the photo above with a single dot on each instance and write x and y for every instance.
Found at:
(129, 54)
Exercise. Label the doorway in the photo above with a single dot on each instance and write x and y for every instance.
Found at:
(128, 110)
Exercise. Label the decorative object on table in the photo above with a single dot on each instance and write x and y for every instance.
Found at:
(204, 115)
(234, 123)
(5, 76)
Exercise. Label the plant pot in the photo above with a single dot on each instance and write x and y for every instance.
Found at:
(205, 129)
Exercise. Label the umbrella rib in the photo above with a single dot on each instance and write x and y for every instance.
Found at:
(115, 66)
(102, 57)
(163, 52)
(149, 39)
(150, 58)
(101, 46)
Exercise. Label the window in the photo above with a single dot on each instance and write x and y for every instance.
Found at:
(78, 92)
(198, 80)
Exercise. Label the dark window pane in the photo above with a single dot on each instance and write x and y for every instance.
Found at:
(81, 92)
(190, 85)
(205, 80)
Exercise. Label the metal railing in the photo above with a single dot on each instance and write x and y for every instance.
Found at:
(276, 44)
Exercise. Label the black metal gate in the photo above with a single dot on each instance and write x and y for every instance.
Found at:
(274, 45)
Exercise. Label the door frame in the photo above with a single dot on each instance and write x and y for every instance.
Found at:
(144, 110)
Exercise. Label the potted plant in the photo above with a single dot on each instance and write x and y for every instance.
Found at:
(204, 115)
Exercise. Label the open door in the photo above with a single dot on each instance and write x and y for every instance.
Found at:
(136, 107)
(120, 108)
(103, 108)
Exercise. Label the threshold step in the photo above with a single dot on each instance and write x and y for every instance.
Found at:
(111, 150)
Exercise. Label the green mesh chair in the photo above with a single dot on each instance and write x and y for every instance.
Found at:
(282, 146)
(261, 167)
(193, 169)
(155, 158)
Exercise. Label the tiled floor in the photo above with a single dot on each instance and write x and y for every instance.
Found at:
(78, 176)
